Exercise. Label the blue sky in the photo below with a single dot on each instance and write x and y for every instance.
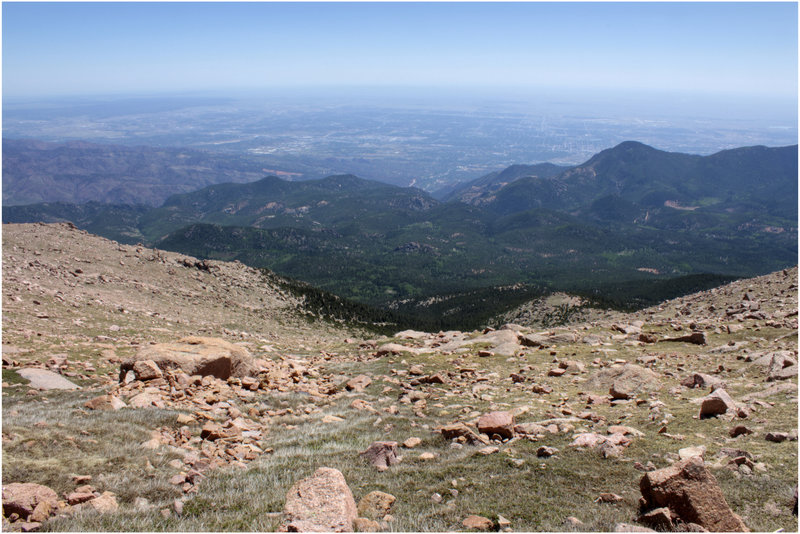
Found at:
(95, 48)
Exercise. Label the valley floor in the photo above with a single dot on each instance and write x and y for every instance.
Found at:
(221, 455)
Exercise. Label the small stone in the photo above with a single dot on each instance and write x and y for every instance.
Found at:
(436, 498)
(486, 451)
(104, 402)
(573, 522)
(381, 454)
(739, 430)
(410, 443)
(546, 452)
(358, 383)
(776, 437)
(427, 456)
(376, 504)
(688, 452)
(477, 522)
(140, 503)
(78, 497)
(608, 498)
(502, 522)
(105, 503)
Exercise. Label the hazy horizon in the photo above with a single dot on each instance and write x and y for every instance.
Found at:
(740, 50)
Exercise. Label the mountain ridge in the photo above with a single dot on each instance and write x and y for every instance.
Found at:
(609, 219)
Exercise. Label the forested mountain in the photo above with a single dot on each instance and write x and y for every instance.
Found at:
(479, 191)
(630, 214)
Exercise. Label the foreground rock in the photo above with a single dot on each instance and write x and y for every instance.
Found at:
(204, 356)
(691, 494)
(29, 502)
(320, 503)
(500, 423)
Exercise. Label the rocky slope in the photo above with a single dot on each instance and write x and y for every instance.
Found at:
(207, 402)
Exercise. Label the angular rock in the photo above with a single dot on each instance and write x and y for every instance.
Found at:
(77, 497)
(145, 370)
(688, 452)
(776, 437)
(212, 431)
(105, 402)
(376, 504)
(477, 522)
(456, 430)
(25, 498)
(358, 383)
(105, 503)
(320, 503)
(739, 430)
(695, 338)
(204, 356)
(692, 494)
(500, 423)
(587, 439)
(718, 403)
(546, 452)
(381, 454)
(702, 380)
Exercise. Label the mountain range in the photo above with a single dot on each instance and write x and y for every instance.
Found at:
(631, 213)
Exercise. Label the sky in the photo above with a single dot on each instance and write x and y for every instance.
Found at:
(96, 48)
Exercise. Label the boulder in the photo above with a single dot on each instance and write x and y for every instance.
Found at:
(691, 493)
(500, 423)
(204, 356)
(145, 370)
(27, 499)
(381, 454)
(320, 503)
(718, 403)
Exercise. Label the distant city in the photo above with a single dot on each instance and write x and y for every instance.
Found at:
(430, 141)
